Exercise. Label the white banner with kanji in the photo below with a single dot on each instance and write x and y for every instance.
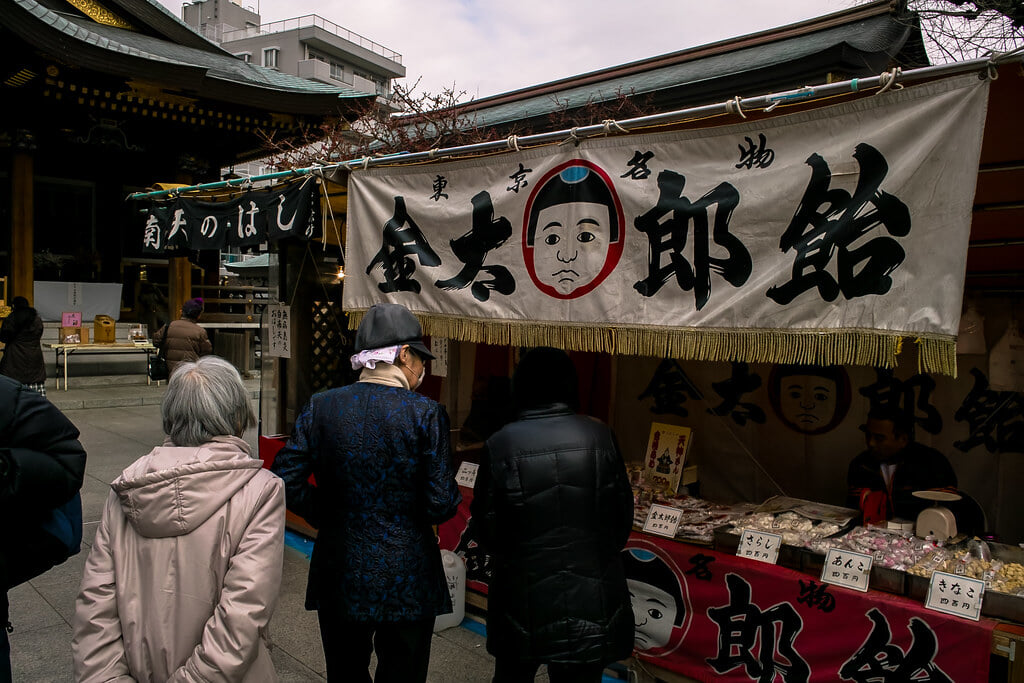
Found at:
(823, 236)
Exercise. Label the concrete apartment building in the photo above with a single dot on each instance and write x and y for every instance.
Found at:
(308, 46)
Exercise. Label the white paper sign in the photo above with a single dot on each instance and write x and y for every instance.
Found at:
(847, 568)
(466, 476)
(279, 331)
(958, 595)
(759, 545)
(662, 520)
(439, 347)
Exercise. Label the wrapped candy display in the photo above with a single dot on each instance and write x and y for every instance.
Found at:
(699, 517)
(795, 529)
(898, 550)
(999, 576)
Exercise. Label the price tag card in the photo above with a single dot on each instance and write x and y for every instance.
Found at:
(759, 545)
(847, 568)
(71, 319)
(466, 476)
(960, 596)
(663, 520)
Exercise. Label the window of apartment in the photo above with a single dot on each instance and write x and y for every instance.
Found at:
(245, 57)
(270, 57)
(337, 71)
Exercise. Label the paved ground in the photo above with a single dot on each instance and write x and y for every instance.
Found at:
(114, 436)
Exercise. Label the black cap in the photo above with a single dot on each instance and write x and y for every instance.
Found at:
(390, 325)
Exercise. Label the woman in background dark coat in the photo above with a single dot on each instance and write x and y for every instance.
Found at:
(555, 509)
(186, 341)
(23, 354)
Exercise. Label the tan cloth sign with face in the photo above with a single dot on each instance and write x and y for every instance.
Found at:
(750, 239)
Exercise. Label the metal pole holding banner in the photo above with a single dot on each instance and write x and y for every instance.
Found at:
(736, 105)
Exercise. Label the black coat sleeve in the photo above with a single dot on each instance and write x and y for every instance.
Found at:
(43, 462)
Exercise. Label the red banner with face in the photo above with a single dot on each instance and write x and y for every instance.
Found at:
(718, 617)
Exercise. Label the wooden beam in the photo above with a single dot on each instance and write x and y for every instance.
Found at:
(22, 225)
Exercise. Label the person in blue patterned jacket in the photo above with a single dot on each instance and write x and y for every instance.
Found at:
(379, 453)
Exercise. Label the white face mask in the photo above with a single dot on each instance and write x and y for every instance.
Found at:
(423, 373)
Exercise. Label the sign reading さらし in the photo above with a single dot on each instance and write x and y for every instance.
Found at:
(739, 242)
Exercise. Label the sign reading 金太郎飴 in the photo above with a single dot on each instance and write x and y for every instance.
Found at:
(715, 243)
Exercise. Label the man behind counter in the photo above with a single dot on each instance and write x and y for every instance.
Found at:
(882, 479)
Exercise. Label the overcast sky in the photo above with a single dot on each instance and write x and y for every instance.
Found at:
(485, 47)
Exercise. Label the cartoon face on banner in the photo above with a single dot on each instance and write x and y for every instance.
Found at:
(808, 399)
(572, 230)
(658, 592)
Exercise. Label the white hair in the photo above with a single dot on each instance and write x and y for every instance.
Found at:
(205, 399)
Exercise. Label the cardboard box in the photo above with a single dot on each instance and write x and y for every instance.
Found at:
(105, 329)
(82, 332)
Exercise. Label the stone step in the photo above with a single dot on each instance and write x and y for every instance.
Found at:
(114, 391)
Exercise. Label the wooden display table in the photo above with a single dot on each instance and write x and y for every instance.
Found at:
(63, 351)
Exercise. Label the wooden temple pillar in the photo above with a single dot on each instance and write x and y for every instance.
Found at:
(179, 282)
(22, 216)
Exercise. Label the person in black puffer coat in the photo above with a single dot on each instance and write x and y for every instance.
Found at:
(23, 354)
(42, 465)
(555, 508)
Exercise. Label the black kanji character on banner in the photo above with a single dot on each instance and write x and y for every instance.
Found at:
(700, 568)
(995, 418)
(744, 628)
(731, 390)
(638, 166)
(735, 268)
(829, 222)
(879, 660)
(403, 239)
(814, 595)
(440, 182)
(910, 397)
(518, 179)
(478, 562)
(471, 248)
(670, 388)
(756, 155)
(152, 236)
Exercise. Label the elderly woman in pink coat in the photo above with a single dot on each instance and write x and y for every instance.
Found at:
(185, 569)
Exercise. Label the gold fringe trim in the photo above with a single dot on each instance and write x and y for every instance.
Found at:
(936, 354)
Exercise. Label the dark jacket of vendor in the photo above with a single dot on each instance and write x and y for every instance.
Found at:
(554, 508)
(882, 479)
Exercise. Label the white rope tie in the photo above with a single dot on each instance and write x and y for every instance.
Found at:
(609, 123)
(1000, 57)
(733, 106)
(573, 138)
(366, 163)
(513, 142)
(888, 80)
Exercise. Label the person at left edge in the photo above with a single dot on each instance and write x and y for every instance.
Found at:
(23, 354)
(42, 466)
(380, 455)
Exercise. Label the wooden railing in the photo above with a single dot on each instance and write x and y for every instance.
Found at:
(231, 303)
